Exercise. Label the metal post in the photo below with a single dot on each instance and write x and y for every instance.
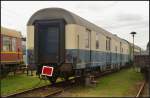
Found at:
(133, 33)
(133, 47)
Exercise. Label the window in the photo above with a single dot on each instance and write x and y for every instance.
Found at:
(120, 47)
(13, 44)
(122, 50)
(108, 43)
(97, 40)
(52, 40)
(6, 43)
(87, 38)
(116, 50)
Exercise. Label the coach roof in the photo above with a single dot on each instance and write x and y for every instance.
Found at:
(69, 17)
(57, 13)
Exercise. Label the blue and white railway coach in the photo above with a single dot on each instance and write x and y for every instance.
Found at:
(72, 45)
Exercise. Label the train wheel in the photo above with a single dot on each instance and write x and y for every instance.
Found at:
(52, 79)
(66, 78)
(4, 71)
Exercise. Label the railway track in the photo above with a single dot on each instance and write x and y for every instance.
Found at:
(52, 90)
(139, 94)
(44, 91)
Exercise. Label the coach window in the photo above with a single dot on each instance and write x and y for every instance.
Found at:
(13, 44)
(97, 40)
(116, 51)
(108, 43)
(87, 38)
(6, 43)
(122, 50)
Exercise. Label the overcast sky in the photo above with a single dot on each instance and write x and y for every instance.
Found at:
(117, 17)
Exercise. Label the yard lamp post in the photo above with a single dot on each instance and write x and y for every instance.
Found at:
(133, 33)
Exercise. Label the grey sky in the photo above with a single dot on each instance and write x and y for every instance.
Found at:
(117, 17)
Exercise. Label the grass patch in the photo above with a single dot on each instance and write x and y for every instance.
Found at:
(122, 83)
(21, 82)
(119, 84)
(18, 83)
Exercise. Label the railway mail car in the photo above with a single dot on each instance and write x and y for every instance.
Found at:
(11, 49)
(71, 44)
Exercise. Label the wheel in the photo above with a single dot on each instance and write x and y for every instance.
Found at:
(4, 70)
(52, 79)
(66, 78)
(4, 73)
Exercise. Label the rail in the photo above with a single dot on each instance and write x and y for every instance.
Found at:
(141, 89)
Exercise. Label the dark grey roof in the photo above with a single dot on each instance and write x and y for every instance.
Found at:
(69, 17)
(52, 13)
(59, 13)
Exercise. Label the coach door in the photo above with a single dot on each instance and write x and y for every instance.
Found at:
(108, 49)
(120, 53)
(49, 41)
(88, 46)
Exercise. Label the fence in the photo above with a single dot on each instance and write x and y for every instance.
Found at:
(142, 61)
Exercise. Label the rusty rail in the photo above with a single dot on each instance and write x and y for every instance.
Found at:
(57, 85)
(141, 89)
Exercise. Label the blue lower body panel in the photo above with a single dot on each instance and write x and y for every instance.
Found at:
(84, 58)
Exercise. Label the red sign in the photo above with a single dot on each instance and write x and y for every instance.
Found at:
(47, 70)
